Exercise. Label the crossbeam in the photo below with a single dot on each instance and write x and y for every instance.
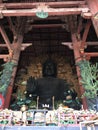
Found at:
(91, 54)
(34, 5)
(47, 25)
(70, 44)
(51, 11)
(23, 45)
(4, 56)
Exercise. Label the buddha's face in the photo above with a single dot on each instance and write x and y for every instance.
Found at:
(49, 69)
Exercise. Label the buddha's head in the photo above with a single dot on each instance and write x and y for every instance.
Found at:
(49, 69)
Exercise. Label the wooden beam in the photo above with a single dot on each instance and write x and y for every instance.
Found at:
(3, 45)
(91, 54)
(87, 27)
(80, 25)
(50, 4)
(3, 56)
(70, 44)
(23, 46)
(87, 54)
(11, 26)
(51, 12)
(5, 37)
(93, 6)
(92, 43)
(86, 15)
(85, 34)
(46, 25)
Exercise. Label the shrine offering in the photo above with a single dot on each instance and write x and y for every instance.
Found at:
(60, 117)
(68, 116)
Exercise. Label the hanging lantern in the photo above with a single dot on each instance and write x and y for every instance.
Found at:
(42, 11)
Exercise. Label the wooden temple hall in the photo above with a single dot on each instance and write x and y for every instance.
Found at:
(35, 34)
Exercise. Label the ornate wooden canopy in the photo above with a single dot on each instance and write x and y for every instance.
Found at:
(15, 16)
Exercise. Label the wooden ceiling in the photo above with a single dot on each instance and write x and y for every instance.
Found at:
(53, 30)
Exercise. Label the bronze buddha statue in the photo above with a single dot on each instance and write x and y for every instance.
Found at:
(48, 86)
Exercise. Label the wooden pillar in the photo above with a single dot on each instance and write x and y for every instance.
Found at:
(16, 54)
(77, 55)
(17, 50)
(76, 49)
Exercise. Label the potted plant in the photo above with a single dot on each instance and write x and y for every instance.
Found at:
(89, 80)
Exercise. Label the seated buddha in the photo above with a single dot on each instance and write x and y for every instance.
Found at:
(48, 87)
